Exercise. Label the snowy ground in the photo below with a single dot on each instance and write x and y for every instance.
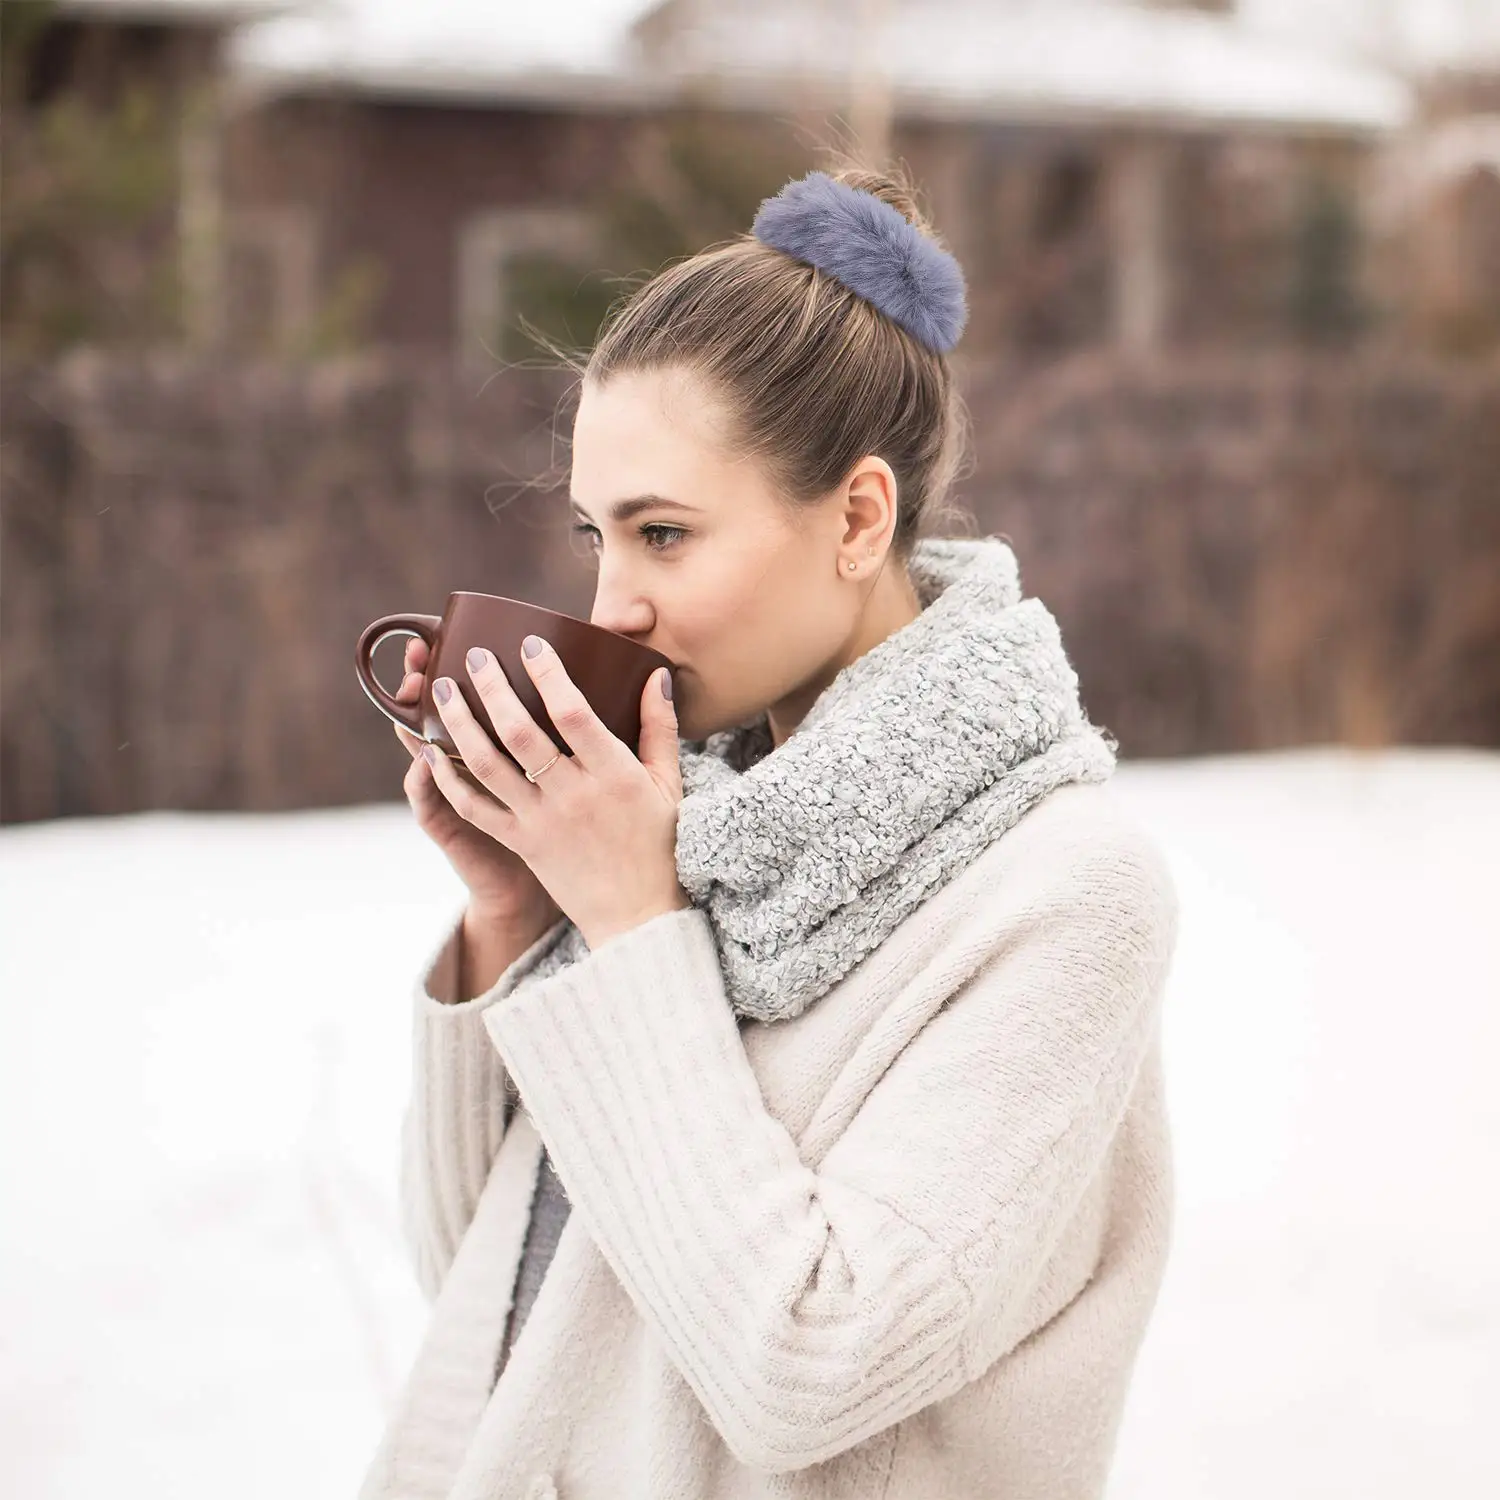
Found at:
(203, 1067)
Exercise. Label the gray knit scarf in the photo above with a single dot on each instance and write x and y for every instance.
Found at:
(916, 757)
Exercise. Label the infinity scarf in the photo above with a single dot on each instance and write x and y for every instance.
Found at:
(916, 757)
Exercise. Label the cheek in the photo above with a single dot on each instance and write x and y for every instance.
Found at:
(716, 600)
(730, 605)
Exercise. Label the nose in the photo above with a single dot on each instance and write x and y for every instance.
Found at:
(627, 621)
(619, 609)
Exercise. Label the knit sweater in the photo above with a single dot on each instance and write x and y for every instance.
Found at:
(904, 1245)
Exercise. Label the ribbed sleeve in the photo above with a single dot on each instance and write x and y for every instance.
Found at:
(809, 1309)
(458, 1106)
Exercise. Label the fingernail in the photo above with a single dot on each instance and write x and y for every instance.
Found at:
(477, 657)
(442, 689)
(429, 754)
(531, 645)
(666, 684)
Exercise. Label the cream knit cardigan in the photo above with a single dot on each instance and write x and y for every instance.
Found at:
(905, 1245)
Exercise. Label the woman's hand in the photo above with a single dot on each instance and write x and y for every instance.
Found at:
(598, 828)
(501, 885)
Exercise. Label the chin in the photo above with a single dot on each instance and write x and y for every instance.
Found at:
(689, 727)
(692, 726)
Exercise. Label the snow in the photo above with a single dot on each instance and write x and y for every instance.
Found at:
(203, 1289)
(1419, 35)
(1059, 58)
(479, 37)
(1027, 59)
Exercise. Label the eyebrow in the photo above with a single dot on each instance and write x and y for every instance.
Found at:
(622, 510)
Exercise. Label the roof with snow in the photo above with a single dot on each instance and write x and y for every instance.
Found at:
(1019, 60)
(1410, 36)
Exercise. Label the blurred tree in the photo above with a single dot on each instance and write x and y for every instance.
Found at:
(341, 320)
(113, 228)
(22, 23)
(86, 207)
(690, 182)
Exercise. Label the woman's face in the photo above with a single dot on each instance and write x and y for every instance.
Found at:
(752, 603)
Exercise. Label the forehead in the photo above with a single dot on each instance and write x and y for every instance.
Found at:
(649, 432)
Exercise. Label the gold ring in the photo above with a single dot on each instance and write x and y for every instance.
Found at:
(532, 775)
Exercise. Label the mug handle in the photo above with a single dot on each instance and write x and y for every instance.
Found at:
(408, 715)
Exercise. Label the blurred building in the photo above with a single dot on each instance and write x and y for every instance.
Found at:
(1107, 172)
(1183, 173)
(1242, 552)
(1432, 209)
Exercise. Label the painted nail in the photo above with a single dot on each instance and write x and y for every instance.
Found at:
(666, 684)
(476, 658)
(442, 689)
(531, 645)
(429, 754)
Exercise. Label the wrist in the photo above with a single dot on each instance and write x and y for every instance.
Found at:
(490, 939)
(600, 935)
(533, 918)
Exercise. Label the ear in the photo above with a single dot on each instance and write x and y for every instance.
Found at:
(659, 735)
(871, 507)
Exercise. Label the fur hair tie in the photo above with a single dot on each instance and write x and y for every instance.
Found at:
(874, 250)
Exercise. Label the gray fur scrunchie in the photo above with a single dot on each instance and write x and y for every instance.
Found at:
(873, 249)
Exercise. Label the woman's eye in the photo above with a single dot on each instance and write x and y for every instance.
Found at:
(659, 536)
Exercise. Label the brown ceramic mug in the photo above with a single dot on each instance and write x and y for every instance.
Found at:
(610, 670)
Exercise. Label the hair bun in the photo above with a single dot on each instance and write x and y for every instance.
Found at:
(873, 249)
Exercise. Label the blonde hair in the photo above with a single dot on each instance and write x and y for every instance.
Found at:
(812, 376)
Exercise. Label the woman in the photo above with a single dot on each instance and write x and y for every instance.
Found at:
(826, 1031)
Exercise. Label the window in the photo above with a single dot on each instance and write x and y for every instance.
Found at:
(492, 245)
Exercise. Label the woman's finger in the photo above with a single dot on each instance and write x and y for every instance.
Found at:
(416, 773)
(472, 799)
(419, 788)
(409, 692)
(424, 794)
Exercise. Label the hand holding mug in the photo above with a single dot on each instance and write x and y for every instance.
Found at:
(598, 825)
(501, 884)
(609, 670)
